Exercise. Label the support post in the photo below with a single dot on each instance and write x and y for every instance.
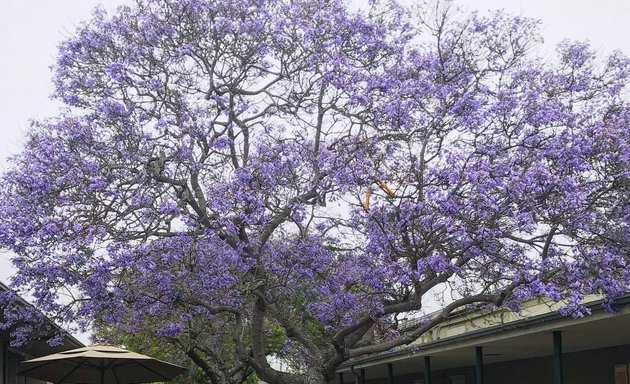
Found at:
(362, 375)
(390, 373)
(340, 377)
(5, 362)
(427, 370)
(558, 370)
(479, 364)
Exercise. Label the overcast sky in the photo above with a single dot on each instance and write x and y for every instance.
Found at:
(30, 31)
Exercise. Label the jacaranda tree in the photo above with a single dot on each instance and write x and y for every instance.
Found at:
(231, 173)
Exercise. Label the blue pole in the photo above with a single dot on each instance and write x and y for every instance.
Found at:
(427, 370)
(479, 364)
(558, 371)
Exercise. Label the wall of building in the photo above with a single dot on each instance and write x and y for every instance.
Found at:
(11, 364)
(10, 361)
(587, 367)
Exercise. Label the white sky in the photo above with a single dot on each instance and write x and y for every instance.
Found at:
(31, 29)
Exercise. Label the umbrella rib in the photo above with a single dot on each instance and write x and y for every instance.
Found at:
(152, 370)
(113, 368)
(71, 371)
(36, 367)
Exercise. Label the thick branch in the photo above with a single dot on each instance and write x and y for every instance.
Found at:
(411, 336)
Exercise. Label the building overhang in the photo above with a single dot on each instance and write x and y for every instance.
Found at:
(525, 338)
(38, 346)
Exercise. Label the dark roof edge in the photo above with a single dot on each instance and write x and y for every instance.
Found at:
(594, 307)
(68, 336)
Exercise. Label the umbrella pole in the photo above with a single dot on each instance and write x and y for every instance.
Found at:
(102, 373)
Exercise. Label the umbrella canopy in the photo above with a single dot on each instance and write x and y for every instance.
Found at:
(99, 364)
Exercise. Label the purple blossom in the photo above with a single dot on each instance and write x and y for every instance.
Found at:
(302, 168)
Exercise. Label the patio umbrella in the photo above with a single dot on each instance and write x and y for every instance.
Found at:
(99, 364)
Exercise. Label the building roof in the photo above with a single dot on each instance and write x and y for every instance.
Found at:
(39, 346)
(506, 335)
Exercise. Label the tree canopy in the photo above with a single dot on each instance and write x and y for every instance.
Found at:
(225, 172)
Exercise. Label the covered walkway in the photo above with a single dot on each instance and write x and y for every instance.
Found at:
(538, 346)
